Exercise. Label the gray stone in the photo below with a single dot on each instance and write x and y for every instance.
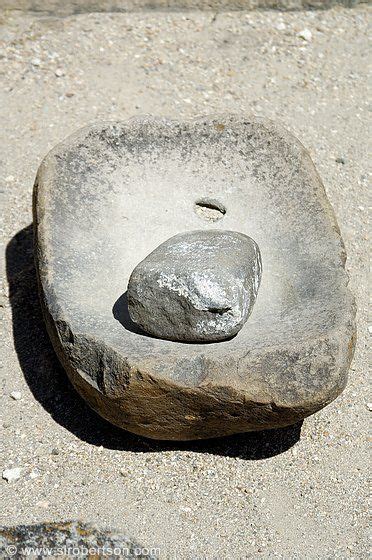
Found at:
(110, 194)
(70, 7)
(196, 286)
(70, 539)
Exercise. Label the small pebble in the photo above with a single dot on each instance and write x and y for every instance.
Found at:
(33, 474)
(55, 451)
(280, 26)
(369, 406)
(12, 474)
(59, 72)
(16, 395)
(340, 160)
(305, 34)
(43, 504)
(36, 62)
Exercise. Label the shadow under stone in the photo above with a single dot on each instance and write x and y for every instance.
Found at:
(121, 313)
(50, 386)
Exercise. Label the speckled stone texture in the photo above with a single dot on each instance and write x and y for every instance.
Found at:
(68, 539)
(110, 194)
(196, 286)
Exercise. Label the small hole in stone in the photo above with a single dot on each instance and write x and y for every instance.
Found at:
(209, 209)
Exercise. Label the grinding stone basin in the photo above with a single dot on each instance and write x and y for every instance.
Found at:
(108, 195)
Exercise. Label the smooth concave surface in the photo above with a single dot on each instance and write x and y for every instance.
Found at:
(196, 286)
(110, 194)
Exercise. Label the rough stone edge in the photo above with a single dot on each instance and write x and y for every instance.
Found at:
(9, 534)
(144, 385)
(73, 7)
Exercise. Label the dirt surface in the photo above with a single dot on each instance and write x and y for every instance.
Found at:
(294, 493)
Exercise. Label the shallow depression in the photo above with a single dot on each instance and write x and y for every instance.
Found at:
(209, 209)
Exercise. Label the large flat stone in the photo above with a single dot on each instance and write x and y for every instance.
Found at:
(110, 194)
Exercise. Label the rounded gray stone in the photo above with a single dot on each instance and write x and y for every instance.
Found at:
(196, 286)
(110, 194)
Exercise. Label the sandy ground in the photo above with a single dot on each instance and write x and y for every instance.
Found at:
(295, 493)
